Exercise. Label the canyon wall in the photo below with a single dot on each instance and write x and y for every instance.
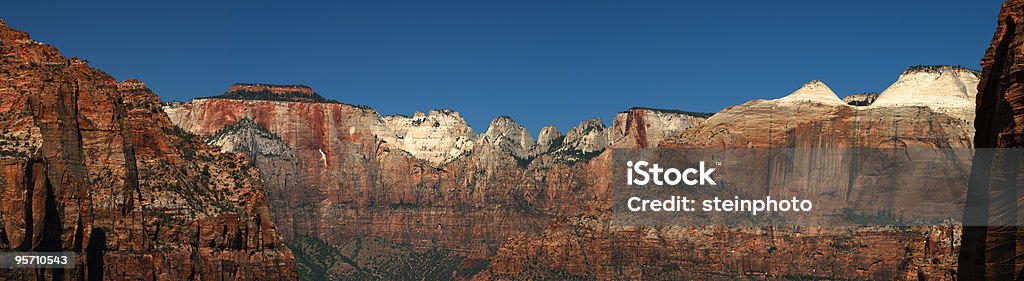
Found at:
(538, 207)
(95, 167)
(427, 180)
(591, 247)
(994, 252)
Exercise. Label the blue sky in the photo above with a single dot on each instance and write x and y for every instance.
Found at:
(542, 62)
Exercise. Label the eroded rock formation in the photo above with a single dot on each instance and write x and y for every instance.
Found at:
(590, 247)
(523, 203)
(437, 137)
(861, 99)
(95, 167)
(361, 174)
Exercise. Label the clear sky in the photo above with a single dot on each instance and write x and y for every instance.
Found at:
(543, 62)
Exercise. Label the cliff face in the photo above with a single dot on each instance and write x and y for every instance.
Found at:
(539, 209)
(438, 136)
(645, 127)
(993, 252)
(95, 167)
(424, 180)
(588, 246)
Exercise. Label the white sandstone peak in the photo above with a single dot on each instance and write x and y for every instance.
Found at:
(246, 136)
(437, 136)
(547, 135)
(589, 136)
(505, 134)
(946, 89)
(814, 91)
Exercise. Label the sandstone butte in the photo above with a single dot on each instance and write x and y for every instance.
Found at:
(93, 166)
(358, 195)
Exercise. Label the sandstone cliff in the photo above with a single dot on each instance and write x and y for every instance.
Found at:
(95, 167)
(993, 252)
(437, 137)
(522, 203)
(590, 247)
(424, 180)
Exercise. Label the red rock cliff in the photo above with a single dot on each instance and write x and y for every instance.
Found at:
(994, 252)
(95, 167)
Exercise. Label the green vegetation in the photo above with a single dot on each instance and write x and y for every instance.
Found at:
(373, 258)
(270, 96)
(883, 217)
(188, 143)
(937, 68)
(676, 111)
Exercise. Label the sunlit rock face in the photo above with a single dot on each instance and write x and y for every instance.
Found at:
(505, 135)
(815, 92)
(648, 127)
(945, 89)
(248, 137)
(549, 136)
(809, 117)
(437, 137)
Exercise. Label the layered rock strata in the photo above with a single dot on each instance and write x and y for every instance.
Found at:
(95, 167)
(590, 247)
(994, 252)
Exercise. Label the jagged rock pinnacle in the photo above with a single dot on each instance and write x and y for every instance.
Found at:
(547, 136)
(505, 134)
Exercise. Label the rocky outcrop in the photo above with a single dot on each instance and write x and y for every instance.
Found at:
(248, 137)
(862, 99)
(993, 199)
(648, 127)
(505, 135)
(437, 137)
(549, 137)
(582, 142)
(98, 169)
(250, 91)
